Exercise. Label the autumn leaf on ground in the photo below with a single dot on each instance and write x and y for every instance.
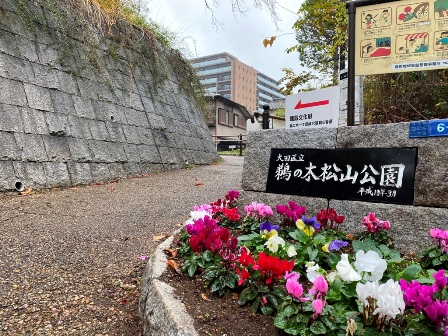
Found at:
(204, 297)
(27, 191)
(198, 183)
(171, 253)
(234, 296)
(157, 238)
(174, 266)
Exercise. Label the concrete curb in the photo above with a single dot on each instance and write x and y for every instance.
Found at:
(160, 312)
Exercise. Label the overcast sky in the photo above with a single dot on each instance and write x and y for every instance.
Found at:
(240, 36)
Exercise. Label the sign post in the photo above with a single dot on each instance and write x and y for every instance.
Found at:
(313, 109)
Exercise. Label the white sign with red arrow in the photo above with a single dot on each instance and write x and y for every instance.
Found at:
(313, 109)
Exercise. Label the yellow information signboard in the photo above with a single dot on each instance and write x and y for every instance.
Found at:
(400, 36)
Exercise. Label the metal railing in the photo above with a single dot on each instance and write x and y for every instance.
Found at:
(240, 139)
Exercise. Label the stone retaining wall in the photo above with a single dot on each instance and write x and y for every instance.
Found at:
(64, 121)
(410, 224)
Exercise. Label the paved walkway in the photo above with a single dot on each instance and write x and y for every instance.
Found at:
(70, 259)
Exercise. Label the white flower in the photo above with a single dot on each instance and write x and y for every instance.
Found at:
(332, 276)
(291, 251)
(312, 271)
(390, 301)
(195, 215)
(367, 290)
(371, 264)
(345, 270)
(273, 243)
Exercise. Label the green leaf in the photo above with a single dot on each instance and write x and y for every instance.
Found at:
(295, 330)
(318, 328)
(280, 321)
(333, 259)
(411, 272)
(267, 310)
(300, 236)
(255, 305)
(207, 255)
(312, 253)
(272, 299)
(248, 237)
(366, 246)
(216, 285)
(288, 310)
(192, 270)
(435, 253)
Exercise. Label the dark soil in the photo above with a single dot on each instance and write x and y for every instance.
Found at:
(214, 315)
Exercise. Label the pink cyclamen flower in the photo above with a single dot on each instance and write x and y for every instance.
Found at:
(320, 287)
(441, 280)
(318, 305)
(437, 312)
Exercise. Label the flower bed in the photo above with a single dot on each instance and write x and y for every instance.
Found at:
(311, 276)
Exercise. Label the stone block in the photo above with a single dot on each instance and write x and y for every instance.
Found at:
(27, 49)
(119, 115)
(116, 151)
(104, 111)
(57, 148)
(136, 118)
(8, 147)
(100, 151)
(31, 147)
(62, 102)
(256, 162)
(45, 75)
(7, 177)
(48, 55)
(431, 176)
(87, 88)
(79, 127)
(11, 118)
(148, 105)
(15, 68)
(132, 134)
(149, 154)
(38, 97)
(57, 124)
(156, 121)
(84, 107)
(115, 131)
(34, 121)
(117, 171)
(79, 150)
(410, 225)
(57, 174)
(104, 92)
(80, 173)
(131, 152)
(8, 44)
(100, 172)
(163, 139)
(132, 168)
(136, 102)
(98, 130)
(148, 168)
(169, 157)
(30, 174)
(67, 82)
(12, 92)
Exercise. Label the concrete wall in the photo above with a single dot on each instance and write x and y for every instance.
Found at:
(410, 224)
(64, 121)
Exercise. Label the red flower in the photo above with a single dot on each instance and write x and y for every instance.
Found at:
(232, 214)
(402, 16)
(272, 267)
(408, 9)
(247, 259)
(243, 274)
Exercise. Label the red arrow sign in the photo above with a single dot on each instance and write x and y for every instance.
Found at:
(312, 104)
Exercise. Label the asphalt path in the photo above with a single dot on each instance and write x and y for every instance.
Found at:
(70, 258)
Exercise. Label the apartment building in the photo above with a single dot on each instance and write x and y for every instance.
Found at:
(225, 75)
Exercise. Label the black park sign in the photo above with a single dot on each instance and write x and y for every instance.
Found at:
(383, 175)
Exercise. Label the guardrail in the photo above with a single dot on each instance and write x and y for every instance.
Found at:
(240, 138)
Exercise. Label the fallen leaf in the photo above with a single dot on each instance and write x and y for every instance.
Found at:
(171, 253)
(111, 189)
(174, 266)
(123, 302)
(204, 297)
(234, 296)
(198, 183)
(27, 191)
(128, 286)
(157, 238)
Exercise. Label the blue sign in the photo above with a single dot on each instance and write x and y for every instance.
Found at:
(418, 129)
(438, 127)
